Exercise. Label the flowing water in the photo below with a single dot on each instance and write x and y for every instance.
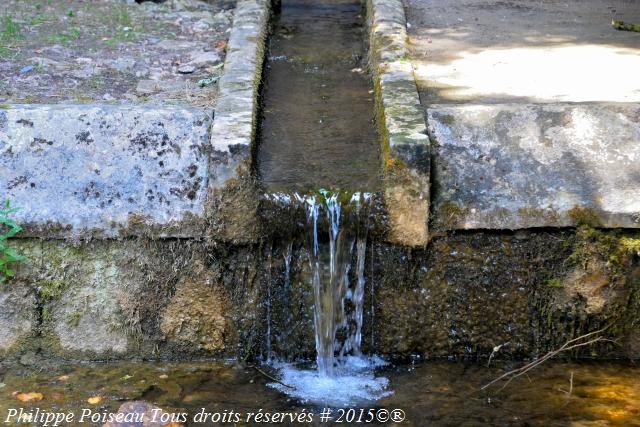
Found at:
(317, 127)
(337, 231)
(429, 394)
(317, 131)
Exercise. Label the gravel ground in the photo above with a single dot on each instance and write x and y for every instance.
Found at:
(80, 51)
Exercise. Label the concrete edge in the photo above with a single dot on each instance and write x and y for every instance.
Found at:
(234, 127)
(406, 151)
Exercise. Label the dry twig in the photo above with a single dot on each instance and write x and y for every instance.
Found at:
(271, 377)
(569, 345)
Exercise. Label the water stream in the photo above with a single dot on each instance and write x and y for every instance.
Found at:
(317, 131)
(337, 231)
(317, 122)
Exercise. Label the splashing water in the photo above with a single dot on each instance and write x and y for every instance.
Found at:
(332, 294)
(343, 375)
(354, 383)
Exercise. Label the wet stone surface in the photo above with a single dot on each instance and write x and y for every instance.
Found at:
(69, 51)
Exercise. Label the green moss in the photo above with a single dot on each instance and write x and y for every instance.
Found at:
(450, 214)
(554, 283)
(624, 26)
(613, 255)
(51, 290)
(630, 245)
(585, 216)
(74, 319)
(46, 314)
(612, 246)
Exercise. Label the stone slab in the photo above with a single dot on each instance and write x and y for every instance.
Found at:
(546, 165)
(105, 171)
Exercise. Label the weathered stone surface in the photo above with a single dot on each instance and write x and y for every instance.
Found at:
(232, 189)
(233, 129)
(510, 167)
(406, 146)
(97, 170)
(197, 315)
(17, 315)
(529, 291)
(98, 300)
(124, 298)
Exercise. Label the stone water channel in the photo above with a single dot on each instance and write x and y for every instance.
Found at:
(319, 307)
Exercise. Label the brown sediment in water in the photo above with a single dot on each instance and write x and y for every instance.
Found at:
(433, 393)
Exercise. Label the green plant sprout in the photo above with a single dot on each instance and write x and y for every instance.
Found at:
(8, 256)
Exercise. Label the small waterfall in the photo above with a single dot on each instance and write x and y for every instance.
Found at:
(287, 267)
(332, 295)
(358, 296)
(337, 226)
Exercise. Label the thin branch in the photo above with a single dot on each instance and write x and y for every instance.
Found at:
(271, 377)
(569, 345)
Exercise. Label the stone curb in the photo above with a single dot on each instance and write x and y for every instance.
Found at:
(233, 130)
(406, 152)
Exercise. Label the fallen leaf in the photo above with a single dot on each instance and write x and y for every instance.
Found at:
(94, 400)
(63, 378)
(28, 397)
